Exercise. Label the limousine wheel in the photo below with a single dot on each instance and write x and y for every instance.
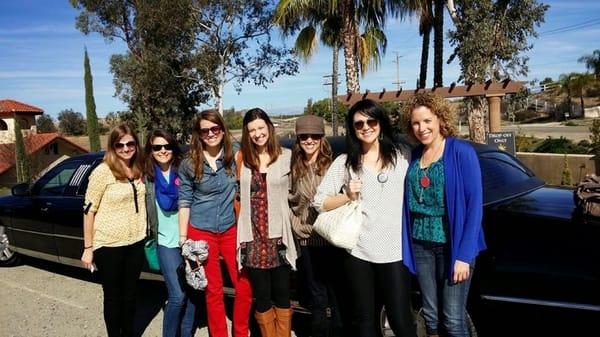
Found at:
(7, 256)
(386, 330)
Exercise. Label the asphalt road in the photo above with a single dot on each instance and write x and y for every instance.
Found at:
(40, 298)
(47, 299)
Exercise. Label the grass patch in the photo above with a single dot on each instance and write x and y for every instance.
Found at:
(4, 191)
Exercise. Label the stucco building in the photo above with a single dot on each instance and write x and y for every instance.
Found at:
(43, 149)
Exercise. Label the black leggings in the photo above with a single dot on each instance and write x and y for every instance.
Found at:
(389, 282)
(270, 287)
(119, 269)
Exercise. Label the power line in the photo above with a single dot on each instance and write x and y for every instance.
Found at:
(569, 28)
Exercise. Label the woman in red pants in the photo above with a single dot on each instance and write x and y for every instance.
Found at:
(206, 195)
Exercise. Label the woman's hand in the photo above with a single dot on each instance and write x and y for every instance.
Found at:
(461, 272)
(87, 258)
(353, 188)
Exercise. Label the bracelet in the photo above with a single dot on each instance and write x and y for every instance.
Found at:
(88, 247)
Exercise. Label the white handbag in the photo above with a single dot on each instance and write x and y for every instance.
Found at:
(341, 226)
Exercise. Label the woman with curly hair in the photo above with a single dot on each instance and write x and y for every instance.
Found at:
(443, 210)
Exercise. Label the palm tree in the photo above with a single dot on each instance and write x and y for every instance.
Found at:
(592, 62)
(438, 42)
(362, 51)
(315, 19)
(425, 26)
(579, 85)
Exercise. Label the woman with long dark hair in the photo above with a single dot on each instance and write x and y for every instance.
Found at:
(114, 227)
(373, 171)
(163, 156)
(206, 212)
(265, 239)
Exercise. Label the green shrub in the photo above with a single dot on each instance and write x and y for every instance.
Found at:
(560, 145)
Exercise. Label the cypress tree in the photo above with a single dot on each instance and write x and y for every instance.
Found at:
(90, 106)
(21, 159)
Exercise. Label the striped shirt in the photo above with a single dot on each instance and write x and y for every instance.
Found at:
(380, 240)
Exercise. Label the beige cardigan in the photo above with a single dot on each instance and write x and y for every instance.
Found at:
(278, 187)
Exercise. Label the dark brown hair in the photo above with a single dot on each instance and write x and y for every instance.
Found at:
(112, 160)
(196, 153)
(149, 159)
(387, 147)
(249, 153)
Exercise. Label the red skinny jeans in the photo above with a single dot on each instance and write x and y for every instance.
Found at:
(224, 244)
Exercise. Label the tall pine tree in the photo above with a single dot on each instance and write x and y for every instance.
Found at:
(90, 106)
(23, 174)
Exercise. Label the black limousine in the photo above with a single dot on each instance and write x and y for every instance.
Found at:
(541, 251)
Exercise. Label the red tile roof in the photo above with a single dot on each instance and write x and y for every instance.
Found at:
(9, 106)
(33, 144)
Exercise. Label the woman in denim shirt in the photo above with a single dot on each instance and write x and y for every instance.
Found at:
(162, 158)
(206, 194)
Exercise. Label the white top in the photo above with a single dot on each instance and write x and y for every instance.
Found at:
(380, 240)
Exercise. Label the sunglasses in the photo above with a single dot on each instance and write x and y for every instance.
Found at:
(129, 144)
(304, 137)
(359, 125)
(158, 147)
(216, 130)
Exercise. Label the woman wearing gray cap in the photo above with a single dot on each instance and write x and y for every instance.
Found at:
(311, 157)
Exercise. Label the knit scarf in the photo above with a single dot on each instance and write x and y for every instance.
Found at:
(166, 191)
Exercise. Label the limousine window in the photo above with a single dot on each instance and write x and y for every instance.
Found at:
(54, 183)
(503, 176)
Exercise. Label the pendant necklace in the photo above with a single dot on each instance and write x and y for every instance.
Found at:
(425, 181)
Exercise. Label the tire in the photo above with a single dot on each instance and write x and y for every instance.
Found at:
(7, 256)
(386, 330)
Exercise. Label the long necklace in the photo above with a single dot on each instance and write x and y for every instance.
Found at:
(425, 181)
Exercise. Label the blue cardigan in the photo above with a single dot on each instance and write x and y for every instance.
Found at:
(464, 204)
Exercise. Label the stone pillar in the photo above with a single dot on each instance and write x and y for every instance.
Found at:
(494, 102)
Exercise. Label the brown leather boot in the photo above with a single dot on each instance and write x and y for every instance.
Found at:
(283, 321)
(266, 323)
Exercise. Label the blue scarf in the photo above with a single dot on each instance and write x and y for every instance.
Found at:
(166, 191)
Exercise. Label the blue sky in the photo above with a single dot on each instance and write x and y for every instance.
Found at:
(41, 59)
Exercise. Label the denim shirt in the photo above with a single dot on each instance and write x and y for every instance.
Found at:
(210, 199)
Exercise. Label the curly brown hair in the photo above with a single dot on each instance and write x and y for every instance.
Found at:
(438, 106)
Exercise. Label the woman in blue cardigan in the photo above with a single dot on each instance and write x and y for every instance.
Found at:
(445, 204)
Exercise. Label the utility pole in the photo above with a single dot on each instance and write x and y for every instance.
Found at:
(333, 82)
(398, 83)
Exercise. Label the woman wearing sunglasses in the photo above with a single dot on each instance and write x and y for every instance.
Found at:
(265, 239)
(206, 195)
(320, 262)
(163, 156)
(373, 171)
(443, 212)
(114, 228)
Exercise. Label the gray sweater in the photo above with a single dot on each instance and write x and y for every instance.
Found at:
(278, 187)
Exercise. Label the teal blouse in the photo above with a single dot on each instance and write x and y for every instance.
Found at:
(427, 204)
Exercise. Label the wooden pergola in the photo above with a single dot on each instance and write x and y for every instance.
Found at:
(491, 90)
